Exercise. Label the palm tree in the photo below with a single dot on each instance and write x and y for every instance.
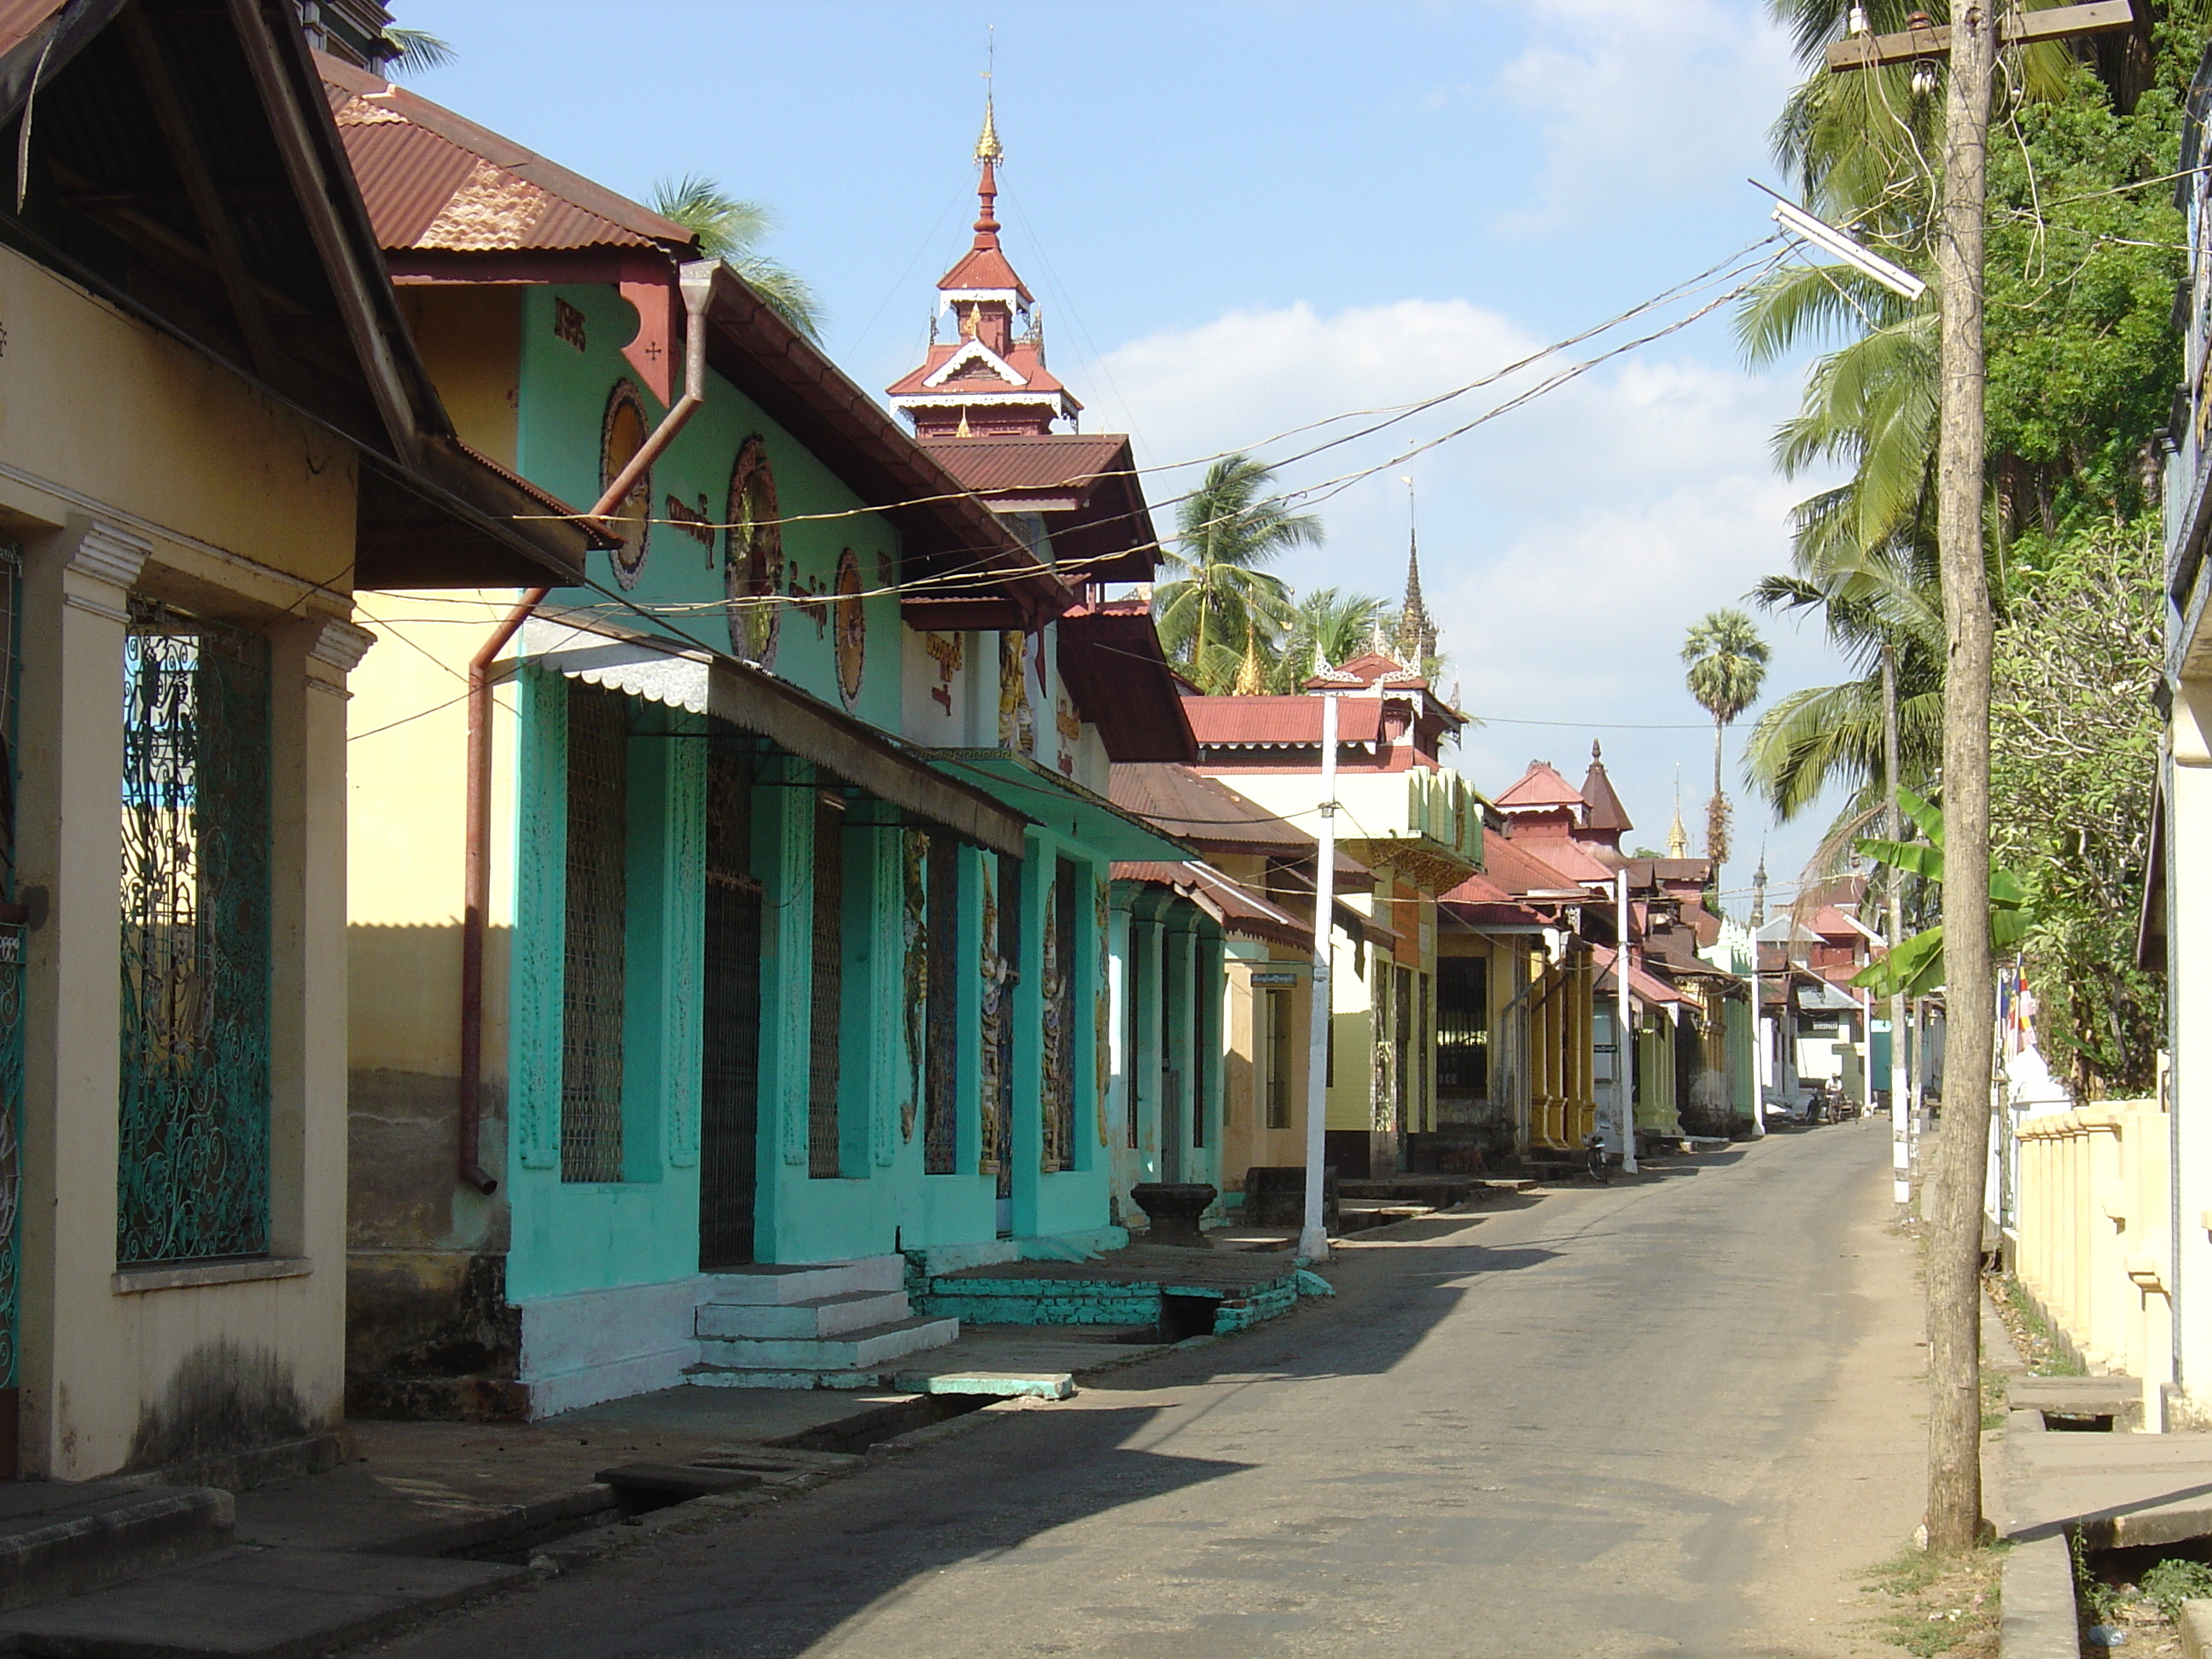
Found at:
(730, 229)
(1327, 627)
(413, 51)
(1726, 661)
(1228, 528)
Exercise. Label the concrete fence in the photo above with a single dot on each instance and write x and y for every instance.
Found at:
(2090, 1238)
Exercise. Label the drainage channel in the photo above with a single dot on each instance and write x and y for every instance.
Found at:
(630, 1490)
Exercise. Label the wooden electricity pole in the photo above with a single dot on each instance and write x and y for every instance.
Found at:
(1952, 1196)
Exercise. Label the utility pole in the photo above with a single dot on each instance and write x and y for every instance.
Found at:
(1900, 1108)
(1624, 1034)
(1313, 1237)
(1954, 1200)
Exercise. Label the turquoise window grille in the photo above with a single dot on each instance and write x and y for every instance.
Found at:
(594, 963)
(193, 1174)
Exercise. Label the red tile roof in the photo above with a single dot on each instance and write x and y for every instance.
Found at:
(1510, 867)
(1278, 722)
(1026, 361)
(1607, 814)
(1541, 786)
(983, 268)
(1372, 665)
(436, 182)
(1570, 860)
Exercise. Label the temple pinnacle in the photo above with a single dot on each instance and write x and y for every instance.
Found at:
(988, 147)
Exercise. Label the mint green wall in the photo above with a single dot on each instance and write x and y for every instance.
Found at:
(575, 1236)
(563, 395)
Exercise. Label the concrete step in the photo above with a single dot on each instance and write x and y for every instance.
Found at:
(773, 1285)
(248, 1603)
(851, 1351)
(774, 1376)
(829, 1316)
(66, 1537)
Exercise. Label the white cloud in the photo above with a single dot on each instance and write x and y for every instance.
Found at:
(1565, 547)
(1641, 100)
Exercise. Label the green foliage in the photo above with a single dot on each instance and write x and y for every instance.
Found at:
(2082, 272)
(1223, 608)
(2170, 1583)
(2073, 753)
(1915, 966)
(1327, 626)
(413, 51)
(731, 228)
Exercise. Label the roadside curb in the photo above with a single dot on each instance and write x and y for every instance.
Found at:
(2038, 1621)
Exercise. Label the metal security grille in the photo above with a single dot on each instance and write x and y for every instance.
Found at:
(1059, 1020)
(592, 965)
(1464, 1028)
(193, 1166)
(825, 1153)
(729, 1078)
(940, 1079)
(1275, 1007)
(11, 976)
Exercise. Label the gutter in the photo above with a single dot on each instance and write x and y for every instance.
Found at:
(696, 277)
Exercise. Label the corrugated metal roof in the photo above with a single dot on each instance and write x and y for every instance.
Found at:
(1233, 722)
(1061, 461)
(1193, 806)
(1541, 786)
(22, 18)
(1235, 906)
(436, 181)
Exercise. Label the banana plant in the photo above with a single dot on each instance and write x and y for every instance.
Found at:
(1915, 966)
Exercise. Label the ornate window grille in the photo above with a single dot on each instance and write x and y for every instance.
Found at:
(940, 1078)
(824, 1150)
(593, 954)
(1275, 1007)
(729, 1108)
(1059, 960)
(1402, 1010)
(192, 1172)
(1464, 1028)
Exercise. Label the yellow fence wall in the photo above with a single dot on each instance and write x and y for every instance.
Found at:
(2091, 1242)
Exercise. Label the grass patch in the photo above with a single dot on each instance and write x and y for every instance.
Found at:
(2141, 1590)
(2030, 1332)
(1941, 1604)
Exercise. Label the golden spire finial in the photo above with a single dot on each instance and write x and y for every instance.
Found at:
(988, 149)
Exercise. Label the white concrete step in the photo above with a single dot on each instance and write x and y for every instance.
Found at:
(853, 1351)
(776, 1284)
(829, 1316)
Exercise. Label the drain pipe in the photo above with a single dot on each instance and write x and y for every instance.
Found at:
(696, 278)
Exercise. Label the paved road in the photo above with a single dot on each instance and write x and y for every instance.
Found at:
(1670, 1417)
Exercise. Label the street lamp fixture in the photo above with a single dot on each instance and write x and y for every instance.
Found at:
(1823, 235)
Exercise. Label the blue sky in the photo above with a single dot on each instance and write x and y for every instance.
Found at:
(1241, 215)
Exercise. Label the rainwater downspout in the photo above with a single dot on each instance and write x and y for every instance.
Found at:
(695, 278)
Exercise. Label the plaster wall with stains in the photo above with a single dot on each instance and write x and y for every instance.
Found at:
(244, 512)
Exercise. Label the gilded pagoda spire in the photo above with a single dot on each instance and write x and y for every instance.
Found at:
(1416, 633)
(1678, 837)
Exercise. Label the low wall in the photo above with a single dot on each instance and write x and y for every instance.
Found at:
(2092, 1239)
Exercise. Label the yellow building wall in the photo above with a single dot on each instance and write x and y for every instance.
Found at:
(130, 465)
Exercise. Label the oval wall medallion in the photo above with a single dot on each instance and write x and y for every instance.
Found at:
(621, 434)
(851, 623)
(752, 562)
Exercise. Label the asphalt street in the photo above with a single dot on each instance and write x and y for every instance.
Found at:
(1673, 1416)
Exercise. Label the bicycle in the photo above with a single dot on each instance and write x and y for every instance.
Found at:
(1599, 1163)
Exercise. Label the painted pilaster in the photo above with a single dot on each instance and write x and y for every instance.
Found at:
(663, 946)
(969, 1011)
(1148, 936)
(783, 863)
(536, 974)
(875, 1076)
(1181, 1043)
(1119, 987)
(1027, 1148)
(2188, 933)
(77, 583)
(1209, 1051)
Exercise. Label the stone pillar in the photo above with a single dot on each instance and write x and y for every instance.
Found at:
(1181, 1044)
(74, 1394)
(1209, 1053)
(1148, 937)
